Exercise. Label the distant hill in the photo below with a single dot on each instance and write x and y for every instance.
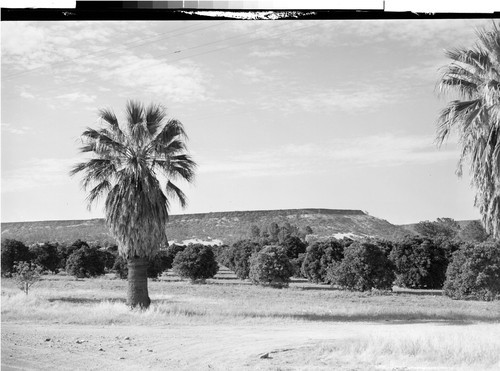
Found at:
(224, 226)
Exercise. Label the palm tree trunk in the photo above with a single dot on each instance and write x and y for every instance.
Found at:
(137, 294)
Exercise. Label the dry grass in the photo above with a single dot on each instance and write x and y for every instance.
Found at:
(61, 299)
(444, 333)
(455, 348)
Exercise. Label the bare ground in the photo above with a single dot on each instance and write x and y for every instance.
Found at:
(29, 346)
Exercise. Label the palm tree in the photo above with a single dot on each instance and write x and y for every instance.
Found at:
(473, 76)
(128, 166)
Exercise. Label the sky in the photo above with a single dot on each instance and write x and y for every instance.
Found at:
(280, 114)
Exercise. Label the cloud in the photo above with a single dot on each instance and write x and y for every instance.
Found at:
(334, 33)
(77, 97)
(414, 33)
(38, 173)
(17, 130)
(271, 53)
(62, 46)
(347, 98)
(25, 94)
(77, 55)
(385, 150)
(254, 75)
(179, 82)
(20, 38)
(389, 150)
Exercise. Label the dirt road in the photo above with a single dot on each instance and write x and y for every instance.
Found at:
(187, 347)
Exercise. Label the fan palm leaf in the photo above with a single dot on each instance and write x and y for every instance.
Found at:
(474, 76)
(124, 168)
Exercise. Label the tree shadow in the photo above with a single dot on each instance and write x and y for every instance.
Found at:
(226, 283)
(86, 300)
(430, 292)
(317, 288)
(229, 277)
(383, 318)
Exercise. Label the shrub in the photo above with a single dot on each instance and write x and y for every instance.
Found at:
(196, 262)
(159, 264)
(237, 257)
(26, 274)
(64, 251)
(448, 246)
(319, 256)
(13, 251)
(297, 266)
(474, 272)
(293, 246)
(85, 262)
(108, 258)
(420, 263)
(220, 253)
(271, 267)
(474, 232)
(364, 267)
(442, 227)
(171, 252)
(385, 245)
(46, 256)
(120, 268)
(156, 266)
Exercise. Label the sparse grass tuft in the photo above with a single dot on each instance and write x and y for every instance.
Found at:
(457, 348)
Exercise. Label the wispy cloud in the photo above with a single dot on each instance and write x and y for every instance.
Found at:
(13, 129)
(291, 98)
(77, 97)
(386, 150)
(254, 75)
(38, 173)
(179, 82)
(31, 45)
(271, 53)
(413, 33)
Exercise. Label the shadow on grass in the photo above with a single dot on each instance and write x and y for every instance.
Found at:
(392, 318)
(387, 318)
(233, 283)
(86, 300)
(228, 277)
(400, 291)
(316, 288)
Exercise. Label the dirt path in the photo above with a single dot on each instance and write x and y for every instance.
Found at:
(173, 347)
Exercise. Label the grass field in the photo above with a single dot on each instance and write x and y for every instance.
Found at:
(345, 330)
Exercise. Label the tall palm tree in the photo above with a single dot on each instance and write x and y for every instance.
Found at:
(128, 166)
(473, 76)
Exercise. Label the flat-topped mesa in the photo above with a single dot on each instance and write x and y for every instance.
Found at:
(227, 227)
(241, 213)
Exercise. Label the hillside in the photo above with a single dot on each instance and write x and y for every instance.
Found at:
(225, 226)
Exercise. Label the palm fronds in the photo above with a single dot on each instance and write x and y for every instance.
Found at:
(474, 75)
(124, 170)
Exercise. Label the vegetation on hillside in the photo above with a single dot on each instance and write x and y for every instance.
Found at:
(228, 227)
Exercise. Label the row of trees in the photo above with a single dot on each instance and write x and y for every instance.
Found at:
(462, 269)
(78, 259)
(196, 262)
